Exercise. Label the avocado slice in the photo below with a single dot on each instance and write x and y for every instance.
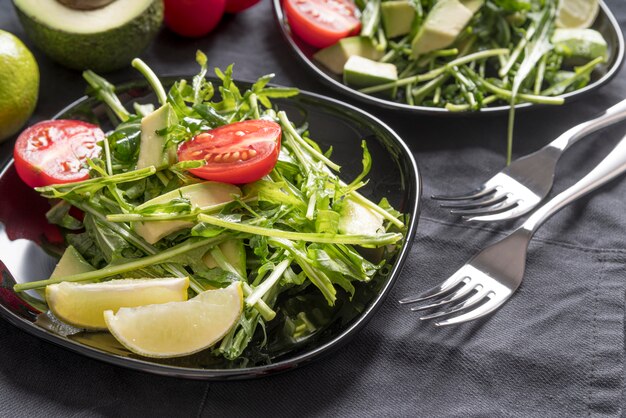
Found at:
(357, 219)
(444, 23)
(580, 43)
(335, 56)
(397, 17)
(152, 146)
(362, 72)
(235, 253)
(71, 263)
(201, 195)
(101, 39)
(473, 5)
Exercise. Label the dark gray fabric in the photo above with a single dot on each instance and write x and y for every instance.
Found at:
(555, 350)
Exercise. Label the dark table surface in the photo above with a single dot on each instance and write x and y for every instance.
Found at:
(555, 349)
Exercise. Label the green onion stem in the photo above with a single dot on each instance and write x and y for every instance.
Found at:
(286, 124)
(580, 73)
(421, 92)
(266, 312)
(268, 283)
(254, 105)
(465, 107)
(113, 270)
(541, 71)
(107, 156)
(152, 79)
(378, 239)
(371, 18)
(106, 93)
(59, 190)
(436, 72)
(516, 52)
(125, 232)
(507, 94)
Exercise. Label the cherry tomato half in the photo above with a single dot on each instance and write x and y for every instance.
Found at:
(322, 23)
(236, 6)
(241, 152)
(193, 18)
(55, 151)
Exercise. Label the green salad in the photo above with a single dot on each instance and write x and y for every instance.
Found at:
(465, 55)
(166, 197)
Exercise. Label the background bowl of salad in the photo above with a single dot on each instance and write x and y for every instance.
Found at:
(501, 53)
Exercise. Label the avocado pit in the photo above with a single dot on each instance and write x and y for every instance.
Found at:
(85, 4)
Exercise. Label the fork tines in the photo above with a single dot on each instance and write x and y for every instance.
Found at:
(457, 294)
(476, 194)
(501, 198)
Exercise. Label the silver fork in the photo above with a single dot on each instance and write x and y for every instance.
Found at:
(518, 188)
(489, 278)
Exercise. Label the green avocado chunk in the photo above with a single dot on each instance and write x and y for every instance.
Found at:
(444, 23)
(362, 72)
(397, 17)
(473, 5)
(201, 195)
(71, 263)
(234, 252)
(580, 43)
(152, 150)
(357, 219)
(335, 56)
(101, 39)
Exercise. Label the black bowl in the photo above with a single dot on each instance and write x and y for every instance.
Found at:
(605, 23)
(26, 240)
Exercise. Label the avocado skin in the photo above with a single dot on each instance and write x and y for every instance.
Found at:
(100, 52)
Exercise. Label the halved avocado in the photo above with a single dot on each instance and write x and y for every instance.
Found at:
(101, 39)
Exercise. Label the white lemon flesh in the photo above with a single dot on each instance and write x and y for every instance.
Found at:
(83, 304)
(177, 328)
(576, 14)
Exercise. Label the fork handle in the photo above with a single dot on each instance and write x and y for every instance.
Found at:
(613, 114)
(612, 166)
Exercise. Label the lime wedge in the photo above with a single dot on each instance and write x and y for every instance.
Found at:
(82, 305)
(576, 14)
(177, 328)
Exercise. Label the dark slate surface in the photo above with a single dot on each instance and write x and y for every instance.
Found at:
(556, 349)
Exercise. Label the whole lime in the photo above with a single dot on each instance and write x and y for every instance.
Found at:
(19, 84)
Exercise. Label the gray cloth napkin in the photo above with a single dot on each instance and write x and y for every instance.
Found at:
(555, 349)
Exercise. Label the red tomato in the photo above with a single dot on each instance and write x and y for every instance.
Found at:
(55, 151)
(322, 23)
(236, 6)
(238, 153)
(193, 18)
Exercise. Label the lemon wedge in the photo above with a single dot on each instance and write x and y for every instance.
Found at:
(576, 14)
(82, 305)
(177, 328)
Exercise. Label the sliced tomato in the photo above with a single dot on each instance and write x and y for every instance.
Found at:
(236, 6)
(322, 23)
(56, 151)
(239, 153)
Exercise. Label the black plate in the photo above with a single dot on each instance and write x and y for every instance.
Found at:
(605, 23)
(26, 239)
